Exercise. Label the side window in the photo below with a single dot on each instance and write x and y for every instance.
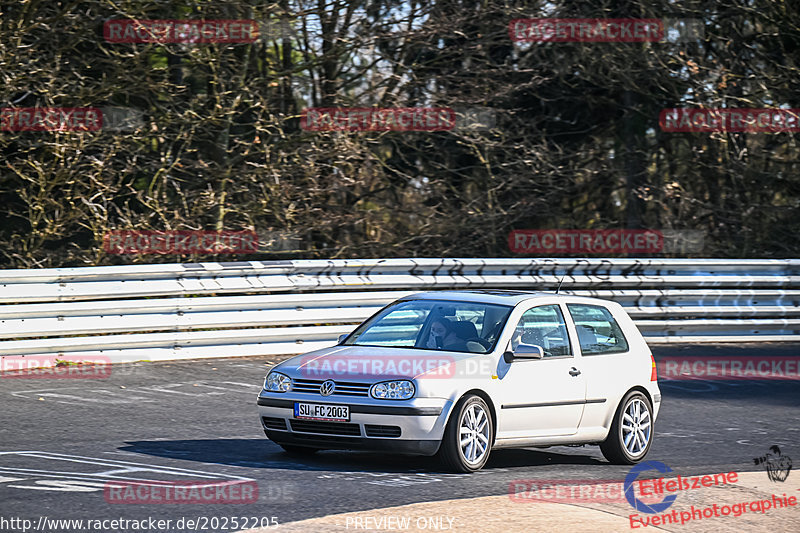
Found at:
(545, 327)
(598, 332)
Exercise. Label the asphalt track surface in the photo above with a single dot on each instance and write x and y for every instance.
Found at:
(198, 420)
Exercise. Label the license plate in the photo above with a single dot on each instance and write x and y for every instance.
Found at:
(321, 411)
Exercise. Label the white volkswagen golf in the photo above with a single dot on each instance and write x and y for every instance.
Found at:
(457, 374)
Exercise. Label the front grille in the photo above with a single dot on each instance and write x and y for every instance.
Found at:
(274, 423)
(310, 439)
(381, 431)
(343, 388)
(331, 428)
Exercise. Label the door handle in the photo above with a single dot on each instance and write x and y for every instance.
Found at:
(574, 372)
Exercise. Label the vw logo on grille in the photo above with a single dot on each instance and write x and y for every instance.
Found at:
(327, 388)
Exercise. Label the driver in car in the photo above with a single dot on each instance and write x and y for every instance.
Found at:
(442, 336)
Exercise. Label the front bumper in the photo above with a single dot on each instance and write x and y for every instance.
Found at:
(413, 426)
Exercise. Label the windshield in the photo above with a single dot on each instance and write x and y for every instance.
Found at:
(434, 325)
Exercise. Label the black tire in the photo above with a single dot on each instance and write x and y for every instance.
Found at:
(450, 453)
(293, 449)
(613, 447)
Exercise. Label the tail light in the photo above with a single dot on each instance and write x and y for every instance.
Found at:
(653, 373)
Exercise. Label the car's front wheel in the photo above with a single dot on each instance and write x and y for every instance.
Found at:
(467, 439)
(631, 431)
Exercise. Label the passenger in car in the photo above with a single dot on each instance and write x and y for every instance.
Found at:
(466, 332)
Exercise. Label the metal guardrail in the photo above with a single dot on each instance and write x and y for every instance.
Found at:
(151, 312)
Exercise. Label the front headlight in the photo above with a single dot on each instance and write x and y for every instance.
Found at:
(277, 382)
(392, 390)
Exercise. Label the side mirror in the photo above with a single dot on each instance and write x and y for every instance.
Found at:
(523, 351)
(342, 337)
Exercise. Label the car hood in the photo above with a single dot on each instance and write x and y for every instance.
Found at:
(369, 363)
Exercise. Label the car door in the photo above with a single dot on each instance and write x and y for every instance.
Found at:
(605, 360)
(541, 397)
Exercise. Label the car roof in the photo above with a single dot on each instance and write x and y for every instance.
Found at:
(488, 296)
(499, 296)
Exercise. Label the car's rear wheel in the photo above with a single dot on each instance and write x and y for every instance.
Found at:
(467, 439)
(631, 431)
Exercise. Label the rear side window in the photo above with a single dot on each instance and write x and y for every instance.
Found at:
(598, 332)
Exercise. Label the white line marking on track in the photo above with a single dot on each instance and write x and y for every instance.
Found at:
(90, 480)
